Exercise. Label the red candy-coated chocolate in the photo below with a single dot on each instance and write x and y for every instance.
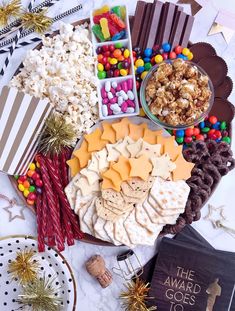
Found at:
(189, 132)
(199, 137)
(188, 139)
(178, 49)
(39, 183)
(196, 131)
(218, 134)
(111, 47)
(213, 119)
(107, 53)
(172, 55)
(165, 56)
(107, 66)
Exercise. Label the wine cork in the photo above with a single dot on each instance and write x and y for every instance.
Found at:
(95, 266)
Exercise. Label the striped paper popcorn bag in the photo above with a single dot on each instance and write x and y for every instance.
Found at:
(22, 118)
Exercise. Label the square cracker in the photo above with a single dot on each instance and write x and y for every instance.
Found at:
(87, 217)
(170, 194)
(109, 228)
(120, 233)
(137, 234)
(99, 230)
(143, 219)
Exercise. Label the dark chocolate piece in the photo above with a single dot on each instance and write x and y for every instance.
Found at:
(138, 22)
(224, 109)
(186, 31)
(177, 28)
(201, 50)
(144, 28)
(166, 23)
(153, 29)
(224, 89)
(215, 67)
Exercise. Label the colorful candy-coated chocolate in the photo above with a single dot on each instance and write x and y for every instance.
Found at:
(101, 74)
(100, 67)
(166, 47)
(118, 45)
(30, 202)
(190, 56)
(30, 173)
(172, 55)
(185, 51)
(26, 193)
(213, 119)
(32, 166)
(223, 125)
(39, 183)
(205, 129)
(196, 131)
(26, 184)
(140, 69)
(179, 133)
(179, 140)
(189, 132)
(178, 49)
(143, 74)
(148, 52)
(139, 63)
(158, 58)
(199, 137)
(188, 139)
(21, 187)
(32, 188)
(226, 139)
(126, 53)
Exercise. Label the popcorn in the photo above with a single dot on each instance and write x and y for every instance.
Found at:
(177, 93)
(63, 70)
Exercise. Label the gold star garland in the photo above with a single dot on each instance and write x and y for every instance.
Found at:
(9, 10)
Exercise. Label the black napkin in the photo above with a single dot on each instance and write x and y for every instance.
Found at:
(189, 275)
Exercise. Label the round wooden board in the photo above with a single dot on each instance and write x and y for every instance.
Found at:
(88, 238)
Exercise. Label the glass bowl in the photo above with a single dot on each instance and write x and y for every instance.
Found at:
(154, 118)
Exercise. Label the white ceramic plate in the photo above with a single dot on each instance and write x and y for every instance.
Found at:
(52, 264)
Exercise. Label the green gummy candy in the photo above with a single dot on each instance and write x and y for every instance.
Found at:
(117, 10)
(96, 29)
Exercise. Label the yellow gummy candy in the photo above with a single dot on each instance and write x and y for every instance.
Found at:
(105, 27)
(102, 10)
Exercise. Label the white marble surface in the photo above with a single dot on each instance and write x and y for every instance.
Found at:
(90, 296)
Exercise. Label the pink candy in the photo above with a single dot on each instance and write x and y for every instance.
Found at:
(116, 100)
(124, 106)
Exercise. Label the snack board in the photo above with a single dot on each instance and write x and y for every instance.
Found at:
(219, 106)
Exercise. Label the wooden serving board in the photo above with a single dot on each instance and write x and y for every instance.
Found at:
(228, 114)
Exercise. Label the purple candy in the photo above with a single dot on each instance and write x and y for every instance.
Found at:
(113, 100)
(124, 106)
(130, 84)
(124, 86)
(113, 91)
(105, 101)
(118, 88)
(103, 92)
(130, 103)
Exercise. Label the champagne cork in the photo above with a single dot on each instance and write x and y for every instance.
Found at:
(95, 266)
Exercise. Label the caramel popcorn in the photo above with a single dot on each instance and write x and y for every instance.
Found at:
(177, 93)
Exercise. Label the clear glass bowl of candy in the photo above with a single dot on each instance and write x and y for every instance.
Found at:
(176, 94)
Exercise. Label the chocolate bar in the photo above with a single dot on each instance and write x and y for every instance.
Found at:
(145, 29)
(154, 25)
(166, 23)
(187, 30)
(177, 28)
(138, 22)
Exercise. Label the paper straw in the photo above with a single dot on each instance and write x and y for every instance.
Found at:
(16, 23)
(15, 41)
(25, 33)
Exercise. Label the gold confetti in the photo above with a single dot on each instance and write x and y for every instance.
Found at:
(39, 22)
(11, 9)
(24, 267)
(136, 295)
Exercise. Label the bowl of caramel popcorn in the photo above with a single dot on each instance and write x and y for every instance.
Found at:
(176, 94)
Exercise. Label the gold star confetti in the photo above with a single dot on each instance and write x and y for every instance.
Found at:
(215, 214)
(225, 31)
